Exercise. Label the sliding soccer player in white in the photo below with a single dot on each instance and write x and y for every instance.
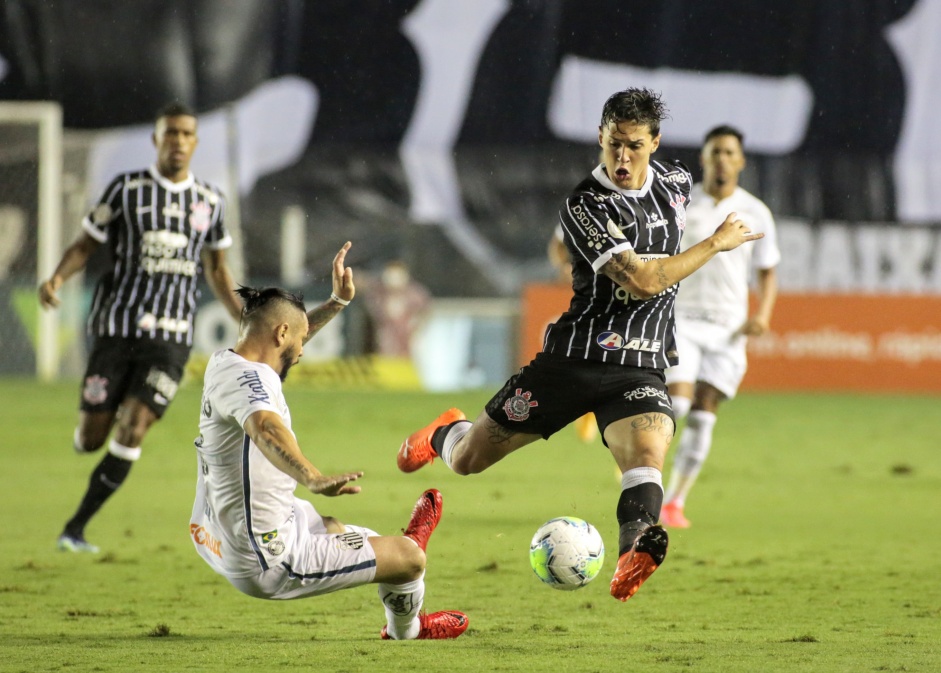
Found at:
(712, 319)
(246, 522)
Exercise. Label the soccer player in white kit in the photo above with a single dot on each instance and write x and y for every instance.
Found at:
(246, 522)
(712, 316)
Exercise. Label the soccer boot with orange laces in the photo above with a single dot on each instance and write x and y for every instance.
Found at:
(416, 451)
(639, 562)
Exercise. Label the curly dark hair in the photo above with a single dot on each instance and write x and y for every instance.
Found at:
(638, 106)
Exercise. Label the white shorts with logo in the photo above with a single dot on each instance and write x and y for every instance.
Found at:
(711, 353)
(317, 563)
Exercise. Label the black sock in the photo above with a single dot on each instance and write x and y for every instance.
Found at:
(638, 508)
(105, 480)
(437, 439)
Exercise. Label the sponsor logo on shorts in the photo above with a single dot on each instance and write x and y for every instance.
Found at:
(202, 537)
(517, 407)
(275, 547)
(95, 390)
(350, 540)
(649, 391)
(163, 385)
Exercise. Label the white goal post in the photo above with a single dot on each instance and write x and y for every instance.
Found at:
(47, 118)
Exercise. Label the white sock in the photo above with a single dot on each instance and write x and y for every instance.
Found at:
(126, 452)
(455, 433)
(691, 454)
(681, 407)
(402, 603)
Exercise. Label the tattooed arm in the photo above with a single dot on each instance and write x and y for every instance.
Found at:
(646, 279)
(280, 447)
(343, 292)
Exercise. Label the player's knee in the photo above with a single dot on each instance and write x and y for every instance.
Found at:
(89, 440)
(469, 462)
(413, 564)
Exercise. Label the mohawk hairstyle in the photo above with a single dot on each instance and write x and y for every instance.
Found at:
(255, 299)
(638, 106)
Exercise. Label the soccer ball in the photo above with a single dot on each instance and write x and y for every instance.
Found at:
(566, 553)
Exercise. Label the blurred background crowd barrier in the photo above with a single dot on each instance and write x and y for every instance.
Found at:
(443, 134)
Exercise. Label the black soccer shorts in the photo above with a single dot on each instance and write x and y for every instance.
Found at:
(148, 369)
(553, 390)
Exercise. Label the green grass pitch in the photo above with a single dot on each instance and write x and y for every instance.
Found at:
(816, 546)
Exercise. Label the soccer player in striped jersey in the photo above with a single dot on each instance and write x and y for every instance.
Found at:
(248, 525)
(606, 354)
(163, 226)
(712, 319)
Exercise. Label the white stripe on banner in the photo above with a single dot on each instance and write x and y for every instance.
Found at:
(774, 113)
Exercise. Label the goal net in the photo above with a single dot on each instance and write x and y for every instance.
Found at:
(31, 340)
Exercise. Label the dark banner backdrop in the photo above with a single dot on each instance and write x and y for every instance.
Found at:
(481, 114)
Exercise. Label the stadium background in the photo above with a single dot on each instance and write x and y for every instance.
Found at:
(445, 133)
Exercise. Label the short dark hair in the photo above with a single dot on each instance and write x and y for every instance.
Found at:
(174, 109)
(255, 299)
(639, 106)
(725, 130)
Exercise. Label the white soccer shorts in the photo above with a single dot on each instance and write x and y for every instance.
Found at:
(317, 563)
(710, 353)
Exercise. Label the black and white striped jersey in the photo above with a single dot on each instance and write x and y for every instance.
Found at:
(156, 230)
(604, 321)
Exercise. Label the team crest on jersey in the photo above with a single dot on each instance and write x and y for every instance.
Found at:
(611, 341)
(679, 205)
(517, 407)
(275, 547)
(95, 390)
(200, 212)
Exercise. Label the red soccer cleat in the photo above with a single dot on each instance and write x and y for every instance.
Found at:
(416, 451)
(636, 565)
(425, 517)
(672, 516)
(437, 626)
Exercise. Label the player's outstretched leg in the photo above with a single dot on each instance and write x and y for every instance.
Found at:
(425, 517)
(639, 562)
(437, 626)
(416, 451)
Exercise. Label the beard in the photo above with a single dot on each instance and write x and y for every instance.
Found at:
(287, 361)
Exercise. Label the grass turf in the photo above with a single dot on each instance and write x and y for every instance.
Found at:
(814, 547)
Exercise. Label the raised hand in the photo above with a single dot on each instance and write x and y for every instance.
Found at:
(732, 233)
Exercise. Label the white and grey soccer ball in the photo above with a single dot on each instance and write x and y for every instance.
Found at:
(566, 553)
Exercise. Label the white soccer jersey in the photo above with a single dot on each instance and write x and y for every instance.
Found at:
(718, 292)
(243, 518)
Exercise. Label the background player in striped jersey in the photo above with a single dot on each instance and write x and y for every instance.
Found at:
(248, 525)
(712, 319)
(162, 225)
(607, 353)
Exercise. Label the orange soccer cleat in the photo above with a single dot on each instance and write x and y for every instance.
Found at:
(416, 451)
(672, 516)
(437, 626)
(425, 517)
(637, 564)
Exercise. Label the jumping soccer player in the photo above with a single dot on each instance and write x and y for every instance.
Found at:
(607, 353)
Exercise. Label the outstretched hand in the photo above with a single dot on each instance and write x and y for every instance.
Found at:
(343, 275)
(335, 485)
(732, 233)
